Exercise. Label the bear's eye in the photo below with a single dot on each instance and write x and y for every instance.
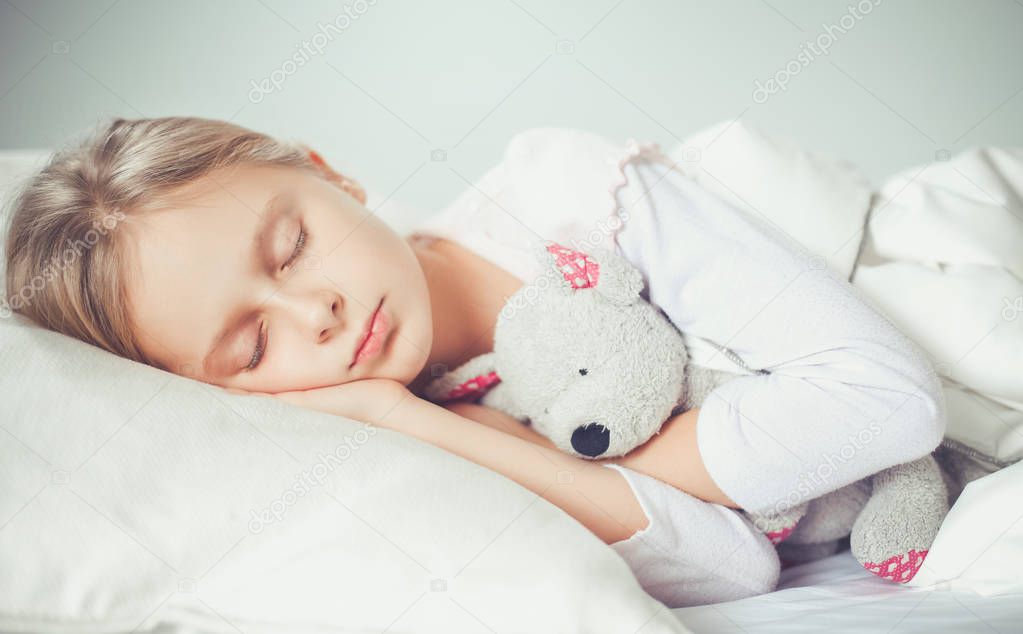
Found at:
(583, 371)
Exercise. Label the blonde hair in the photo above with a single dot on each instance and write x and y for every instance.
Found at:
(67, 262)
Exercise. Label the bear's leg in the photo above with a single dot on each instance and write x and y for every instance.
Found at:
(894, 532)
(778, 526)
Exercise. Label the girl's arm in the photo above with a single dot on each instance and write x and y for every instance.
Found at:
(598, 498)
(691, 553)
(671, 455)
(846, 394)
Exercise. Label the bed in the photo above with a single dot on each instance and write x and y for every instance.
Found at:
(835, 595)
(131, 497)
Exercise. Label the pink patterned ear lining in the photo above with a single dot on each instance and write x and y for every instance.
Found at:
(579, 270)
(778, 536)
(474, 387)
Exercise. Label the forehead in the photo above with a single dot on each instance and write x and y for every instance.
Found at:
(190, 257)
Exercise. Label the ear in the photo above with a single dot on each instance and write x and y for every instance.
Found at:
(349, 185)
(601, 270)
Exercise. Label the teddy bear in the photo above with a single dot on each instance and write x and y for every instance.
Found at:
(583, 358)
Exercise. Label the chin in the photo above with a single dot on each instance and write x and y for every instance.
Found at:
(416, 362)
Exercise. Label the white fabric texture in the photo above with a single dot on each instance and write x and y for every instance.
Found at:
(944, 256)
(834, 595)
(136, 500)
(980, 545)
(692, 552)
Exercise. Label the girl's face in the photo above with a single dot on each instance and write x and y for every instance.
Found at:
(266, 278)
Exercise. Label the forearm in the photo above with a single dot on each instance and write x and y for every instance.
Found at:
(499, 420)
(673, 456)
(670, 456)
(597, 497)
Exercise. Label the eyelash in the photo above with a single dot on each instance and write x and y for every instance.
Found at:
(257, 354)
(299, 248)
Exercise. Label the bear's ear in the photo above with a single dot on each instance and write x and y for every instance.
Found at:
(600, 270)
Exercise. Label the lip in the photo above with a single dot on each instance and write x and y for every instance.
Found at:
(373, 336)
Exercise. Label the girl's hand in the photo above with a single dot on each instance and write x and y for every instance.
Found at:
(366, 400)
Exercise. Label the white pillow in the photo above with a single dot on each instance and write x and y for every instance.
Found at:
(980, 544)
(133, 498)
(819, 199)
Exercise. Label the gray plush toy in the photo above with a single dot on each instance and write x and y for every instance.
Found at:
(581, 356)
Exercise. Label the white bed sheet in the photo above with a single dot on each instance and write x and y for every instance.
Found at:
(835, 595)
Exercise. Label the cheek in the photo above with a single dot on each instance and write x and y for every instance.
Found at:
(383, 259)
(366, 264)
(297, 363)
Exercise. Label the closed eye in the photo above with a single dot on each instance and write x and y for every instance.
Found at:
(257, 354)
(299, 249)
(261, 340)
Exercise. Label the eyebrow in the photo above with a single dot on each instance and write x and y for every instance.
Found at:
(273, 211)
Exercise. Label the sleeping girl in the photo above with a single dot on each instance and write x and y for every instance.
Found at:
(248, 263)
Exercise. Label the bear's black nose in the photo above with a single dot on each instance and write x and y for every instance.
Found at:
(591, 440)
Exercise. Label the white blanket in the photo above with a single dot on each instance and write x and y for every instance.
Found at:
(944, 259)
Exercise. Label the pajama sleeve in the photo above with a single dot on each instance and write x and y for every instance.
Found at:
(845, 394)
(693, 552)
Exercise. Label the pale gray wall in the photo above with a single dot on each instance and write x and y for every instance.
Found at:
(406, 77)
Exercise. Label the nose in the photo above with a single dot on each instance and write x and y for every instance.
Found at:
(591, 439)
(317, 312)
(333, 314)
